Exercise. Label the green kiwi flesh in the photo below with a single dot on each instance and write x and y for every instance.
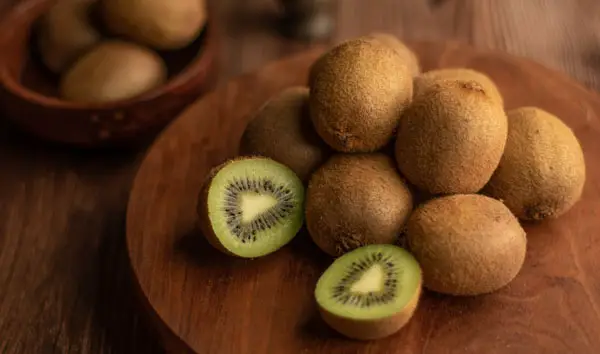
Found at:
(354, 200)
(251, 206)
(425, 80)
(451, 139)
(371, 292)
(282, 130)
(358, 91)
(542, 172)
(466, 244)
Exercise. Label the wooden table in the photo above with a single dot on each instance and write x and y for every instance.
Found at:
(64, 286)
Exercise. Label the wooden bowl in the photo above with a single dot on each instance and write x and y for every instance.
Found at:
(29, 92)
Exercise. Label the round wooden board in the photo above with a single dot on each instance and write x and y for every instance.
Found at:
(207, 302)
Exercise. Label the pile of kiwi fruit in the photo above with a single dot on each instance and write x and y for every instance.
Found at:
(108, 50)
(441, 210)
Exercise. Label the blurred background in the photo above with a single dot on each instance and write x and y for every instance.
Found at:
(64, 286)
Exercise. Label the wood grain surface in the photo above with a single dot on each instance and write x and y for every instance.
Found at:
(64, 286)
(220, 304)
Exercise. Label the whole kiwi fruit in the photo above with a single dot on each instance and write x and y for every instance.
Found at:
(354, 200)
(451, 139)
(466, 244)
(113, 70)
(359, 90)
(282, 130)
(542, 172)
(425, 80)
(160, 24)
(407, 55)
(65, 32)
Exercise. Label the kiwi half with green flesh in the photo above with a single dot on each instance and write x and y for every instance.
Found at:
(354, 200)
(466, 244)
(425, 80)
(407, 55)
(450, 140)
(371, 292)
(358, 92)
(282, 130)
(251, 206)
(542, 171)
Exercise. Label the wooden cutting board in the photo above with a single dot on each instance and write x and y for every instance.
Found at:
(206, 302)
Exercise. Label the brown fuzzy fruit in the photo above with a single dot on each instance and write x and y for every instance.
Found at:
(282, 130)
(65, 33)
(160, 24)
(451, 138)
(356, 200)
(425, 80)
(407, 55)
(542, 172)
(466, 244)
(359, 90)
(111, 71)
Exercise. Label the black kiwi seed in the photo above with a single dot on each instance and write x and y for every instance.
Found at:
(246, 232)
(341, 291)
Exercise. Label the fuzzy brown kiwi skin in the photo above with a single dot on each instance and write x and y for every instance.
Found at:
(353, 200)
(461, 157)
(407, 55)
(531, 190)
(353, 106)
(425, 80)
(282, 131)
(373, 329)
(202, 206)
(466, 244)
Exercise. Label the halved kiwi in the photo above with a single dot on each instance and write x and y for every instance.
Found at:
(251, 206)
(370, 292)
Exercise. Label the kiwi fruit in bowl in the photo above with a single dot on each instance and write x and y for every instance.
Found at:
(542, 171)
(250, 206)
(160, 24)
(466, 244)
(450, 140)
(65, 32)
(282, 130)
(353, 200)
(429, 78)
(358, 91)
(370, 292)
(113, 70)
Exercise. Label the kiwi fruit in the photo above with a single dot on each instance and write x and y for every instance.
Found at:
(250, 206)
(425, 80)
(354, 200)
(160, 24)
(282, 130)
(542, 172)
(358, 92)
(369, 293)
(407, 55)
(65, 32)
(113, 70)
(466, 244)
(450, 140)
